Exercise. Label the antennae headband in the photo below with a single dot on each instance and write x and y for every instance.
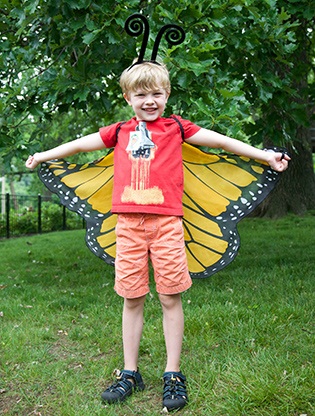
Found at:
(136, 24)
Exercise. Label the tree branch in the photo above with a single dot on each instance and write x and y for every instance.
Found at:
(49, 66)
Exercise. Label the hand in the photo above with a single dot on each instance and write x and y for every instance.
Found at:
(279, 161)
(32, 162)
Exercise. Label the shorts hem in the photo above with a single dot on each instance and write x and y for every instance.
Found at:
(174, 290)
(129, 294)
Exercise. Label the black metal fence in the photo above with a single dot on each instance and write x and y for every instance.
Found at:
(26, 214)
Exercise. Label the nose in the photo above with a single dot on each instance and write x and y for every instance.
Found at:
(149, 99)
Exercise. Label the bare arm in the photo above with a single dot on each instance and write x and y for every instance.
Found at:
(215, 140)
(84, 144)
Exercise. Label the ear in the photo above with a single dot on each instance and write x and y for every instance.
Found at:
(127, 99)
(167, 96)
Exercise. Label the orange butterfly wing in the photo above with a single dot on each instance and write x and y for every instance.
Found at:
(219, 190)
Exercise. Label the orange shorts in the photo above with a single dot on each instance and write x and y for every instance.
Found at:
(160, 237)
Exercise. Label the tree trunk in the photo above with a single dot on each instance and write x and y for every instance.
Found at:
(295, 192)
(13, 196)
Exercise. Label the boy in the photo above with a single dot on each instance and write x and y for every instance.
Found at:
(148, 187)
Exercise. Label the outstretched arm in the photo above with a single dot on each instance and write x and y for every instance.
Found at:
(84, 144)
(209, 138)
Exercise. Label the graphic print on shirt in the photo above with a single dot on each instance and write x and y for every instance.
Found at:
(141, 150)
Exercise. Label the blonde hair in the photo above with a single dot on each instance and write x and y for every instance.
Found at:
(146, 76)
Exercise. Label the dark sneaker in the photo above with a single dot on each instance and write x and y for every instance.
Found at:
(125, 384)
(174, 393)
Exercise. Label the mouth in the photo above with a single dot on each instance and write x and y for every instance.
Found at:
(149, 110)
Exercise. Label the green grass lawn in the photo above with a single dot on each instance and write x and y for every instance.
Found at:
(249, 340)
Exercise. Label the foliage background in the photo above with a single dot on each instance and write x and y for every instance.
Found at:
(246, 69)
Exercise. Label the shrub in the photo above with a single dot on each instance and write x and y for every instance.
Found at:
(26, 222)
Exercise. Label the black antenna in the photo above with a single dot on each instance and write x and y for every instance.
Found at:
(175, 35)
(135, 25)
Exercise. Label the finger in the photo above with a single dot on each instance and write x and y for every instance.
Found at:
(285, 156)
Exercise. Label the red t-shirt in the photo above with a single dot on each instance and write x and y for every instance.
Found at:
(148, 168)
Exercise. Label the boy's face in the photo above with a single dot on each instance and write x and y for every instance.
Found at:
(148, 106)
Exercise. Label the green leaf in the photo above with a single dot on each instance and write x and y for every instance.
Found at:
(184, 79)
(91, 36)
(18, 14)
(30, 6)
(202, 106)
(282, 16)
(231, 93)
(113, 37)
(90, 24)
(107, 104)
(290, 48)
(82, 94)
(77, 24)
(36, 110)
(264, 94)
(199, 68)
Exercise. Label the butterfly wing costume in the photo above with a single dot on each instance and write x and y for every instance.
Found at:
(219, 191)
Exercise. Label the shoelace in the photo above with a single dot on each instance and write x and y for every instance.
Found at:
(175, 388)
(121, 383)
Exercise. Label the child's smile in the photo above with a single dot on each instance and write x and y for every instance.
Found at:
(148, 106)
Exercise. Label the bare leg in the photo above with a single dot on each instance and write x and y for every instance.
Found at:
(128, 380)
(173, 324)
(132, 331)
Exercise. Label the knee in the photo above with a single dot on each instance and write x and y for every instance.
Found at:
(134, 303)
(170, 301)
